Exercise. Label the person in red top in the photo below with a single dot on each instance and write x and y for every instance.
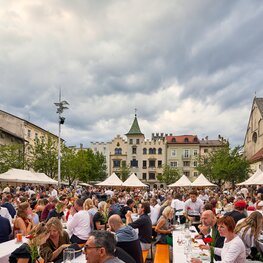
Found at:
(51, 205)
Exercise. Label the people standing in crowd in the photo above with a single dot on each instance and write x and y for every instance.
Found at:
(239, 210)
(22, 222)
(79, 223)
(193, 209)
(58, 239)
(249, 230)
(143, 224)
(178, 205)
(127, 238)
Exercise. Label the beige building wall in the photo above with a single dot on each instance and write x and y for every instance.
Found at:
(254, 136)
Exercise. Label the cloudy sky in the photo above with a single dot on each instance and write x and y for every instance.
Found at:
(188, 66)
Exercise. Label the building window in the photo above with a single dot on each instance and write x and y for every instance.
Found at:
(195, 152)
(28, 133)
(118, 151)
(144, 176)
(186, 140)
(195, 139)
(173, 153)
(154, 151)
(195, 163)
(195, 174)
(151, 176)
(186, 153)
(160, 151)
(134, 150)
(36, 136)
(160, 163)
(186, 163)
(173, 164)
(150, 151)
(144, 151)
(173, 140)
(144, 164)
(205, 150)
(137, 141)
(254, 137)
(116, 163)
(151, 163)
(131, 141)
(187, 174)
(134, 163)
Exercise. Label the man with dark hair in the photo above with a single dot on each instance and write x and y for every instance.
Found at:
(100, 248)
(7, 204)
(128, 207)
(79, 223)
(143, 223)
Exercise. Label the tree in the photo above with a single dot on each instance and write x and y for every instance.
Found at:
(11, 156)
(224, 165)
(170, 175)
(124, 171)
(43, 156)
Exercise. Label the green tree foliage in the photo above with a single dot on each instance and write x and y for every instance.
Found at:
(224, 165)
(11, 156)
(170, 175)
(124, 171)
(43, 157)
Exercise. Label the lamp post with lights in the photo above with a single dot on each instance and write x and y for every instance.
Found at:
(61, 106)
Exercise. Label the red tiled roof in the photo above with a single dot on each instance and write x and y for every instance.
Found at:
(182, 139)
(257, 156)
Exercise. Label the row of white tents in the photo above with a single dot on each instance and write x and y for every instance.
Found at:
(24, 176)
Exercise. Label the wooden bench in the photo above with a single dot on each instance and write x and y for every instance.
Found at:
(145, 254)
(162, 253)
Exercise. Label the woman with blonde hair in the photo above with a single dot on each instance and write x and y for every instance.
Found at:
(58, 239)
(163, 227)
(28, 252)
(100, 219)
(22, 221)
(88, 205)
(248, 230)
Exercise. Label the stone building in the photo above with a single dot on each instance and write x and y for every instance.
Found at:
(253, 143)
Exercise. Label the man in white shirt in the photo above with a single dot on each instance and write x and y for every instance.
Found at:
(178, 205)
(78, 224)
(4, 213)
(54, 192)
(155, 211)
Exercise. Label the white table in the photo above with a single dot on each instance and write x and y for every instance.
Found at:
(80, 259)
(8, 247)
(178, 250)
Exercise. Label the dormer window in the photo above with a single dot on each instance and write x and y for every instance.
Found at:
(186, 140)
(173, 140)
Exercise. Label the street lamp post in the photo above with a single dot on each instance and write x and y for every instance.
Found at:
(61, 106)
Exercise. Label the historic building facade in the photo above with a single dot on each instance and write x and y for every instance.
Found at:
(253, 143)
(146, 157)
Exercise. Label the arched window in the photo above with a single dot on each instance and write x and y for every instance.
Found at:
(160, 151)
(118, 151)
(186, 140)
(254, 137)
(154, 151)
(144, 151)
(195, 139)
(150, 151)
(173, 140)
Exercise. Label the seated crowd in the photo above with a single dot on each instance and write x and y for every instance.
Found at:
(122, 224)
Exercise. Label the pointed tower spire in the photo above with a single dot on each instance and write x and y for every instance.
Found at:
(135, 128)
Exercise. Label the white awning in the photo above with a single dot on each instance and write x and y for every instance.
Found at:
(201, 180)
(134, 181)
(112, 180)
(182, 182)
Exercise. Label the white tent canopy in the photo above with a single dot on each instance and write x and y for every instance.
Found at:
(134, 181)
(201, 180)
(253, 178)
(112, 180)
(24, 176)
(257, 180)
(182, 182)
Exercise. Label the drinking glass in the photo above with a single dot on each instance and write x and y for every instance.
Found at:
(68, 255)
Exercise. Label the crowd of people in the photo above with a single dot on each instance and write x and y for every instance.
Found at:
(106, 219)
